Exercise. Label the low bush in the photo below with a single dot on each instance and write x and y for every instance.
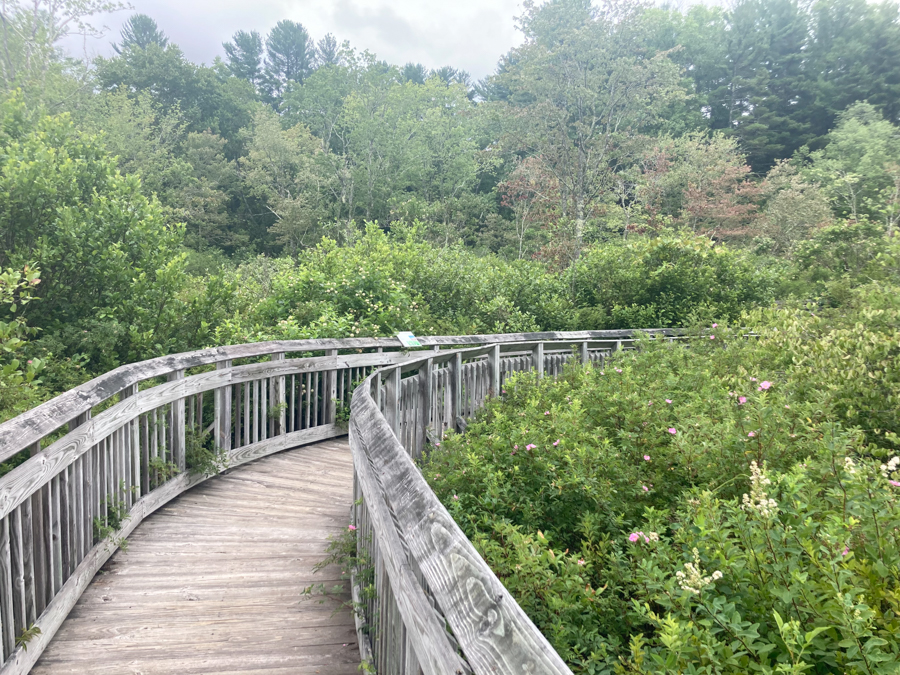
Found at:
(728, 505)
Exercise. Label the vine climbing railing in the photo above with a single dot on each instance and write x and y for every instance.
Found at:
(106, 454)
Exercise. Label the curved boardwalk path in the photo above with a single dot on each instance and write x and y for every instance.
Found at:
(212, 582)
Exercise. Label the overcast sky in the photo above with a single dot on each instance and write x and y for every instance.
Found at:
(467, 34)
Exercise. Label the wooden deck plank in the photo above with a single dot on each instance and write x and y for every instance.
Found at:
(212, 582)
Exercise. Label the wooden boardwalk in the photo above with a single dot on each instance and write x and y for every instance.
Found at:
(213, 581)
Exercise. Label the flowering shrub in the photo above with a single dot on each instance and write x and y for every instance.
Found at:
(728, 507)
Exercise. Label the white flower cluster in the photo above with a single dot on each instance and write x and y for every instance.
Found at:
(849, 465)
(758, 500)
(888, 469)
(693, 580)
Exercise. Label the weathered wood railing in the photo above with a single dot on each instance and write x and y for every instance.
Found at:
(432, 605)
(110, 452)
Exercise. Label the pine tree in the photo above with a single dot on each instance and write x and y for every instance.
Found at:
(140, 31)
(245, 56)
(290, 56)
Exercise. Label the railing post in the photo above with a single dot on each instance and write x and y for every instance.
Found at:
(222, 418)
(494, 371)
(426, 385)
(331, 391)
(78, 421)
(455, 390)
(537, 359)
(392, 399)
(585, 354)
(176, 424)
(134, 446)
(278, 399)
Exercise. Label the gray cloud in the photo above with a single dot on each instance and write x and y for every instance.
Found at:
(467, 34)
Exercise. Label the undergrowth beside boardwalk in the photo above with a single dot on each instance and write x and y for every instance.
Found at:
(725, 506)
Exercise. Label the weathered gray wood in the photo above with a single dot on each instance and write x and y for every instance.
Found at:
(247, 430)
(65, 542)
(61, 605)
(222, 426)
(426, 388)
(331, 391)
(278, 400)
(17, 555)
(65, 471)
(494, 371)
(40, 566)
(177, 423)
(424, 627)
(496, 636)
(392, 399)
(30, 427)
(7, 623)
(456, 390)
(537, 359)
(145, 459)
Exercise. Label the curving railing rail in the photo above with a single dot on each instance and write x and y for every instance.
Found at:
(108, 453)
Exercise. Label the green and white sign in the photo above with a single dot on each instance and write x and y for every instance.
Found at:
(409, 340)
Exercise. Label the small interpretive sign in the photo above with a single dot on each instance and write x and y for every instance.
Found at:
(409, 340)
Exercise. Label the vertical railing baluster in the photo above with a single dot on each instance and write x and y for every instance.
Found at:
(316, 394)
(426, 385)
(247, 430)
(494, 369)
(537, 359)
(292, 419)
(279, 400)
(146, 451)
(16, 554)
(330, 392)
(28, 562)
(65, 541)
(222, 414)
(392, 398)
(456, 374)
(87, 490)
(40, 554)
(236, 430)
(257, 385)
(7, 622)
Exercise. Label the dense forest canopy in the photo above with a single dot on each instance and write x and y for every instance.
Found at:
(626, 165)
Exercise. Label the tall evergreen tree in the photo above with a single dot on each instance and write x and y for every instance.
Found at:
(327, 51)
(290, 56)
(773, 120)
(414, 72)
(140, 31)
(245, 54)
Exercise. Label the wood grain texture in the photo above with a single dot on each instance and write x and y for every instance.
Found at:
(494, 633)
(212, 582)
(422, 626)
(28, 428)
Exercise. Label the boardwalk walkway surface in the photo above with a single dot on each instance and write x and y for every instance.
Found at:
(213, 581)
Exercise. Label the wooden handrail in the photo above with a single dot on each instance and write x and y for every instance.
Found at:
(65, 509)
(30, 427)
(392, 419)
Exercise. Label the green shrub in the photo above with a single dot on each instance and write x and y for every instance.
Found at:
(670, 280)
(554, 481)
